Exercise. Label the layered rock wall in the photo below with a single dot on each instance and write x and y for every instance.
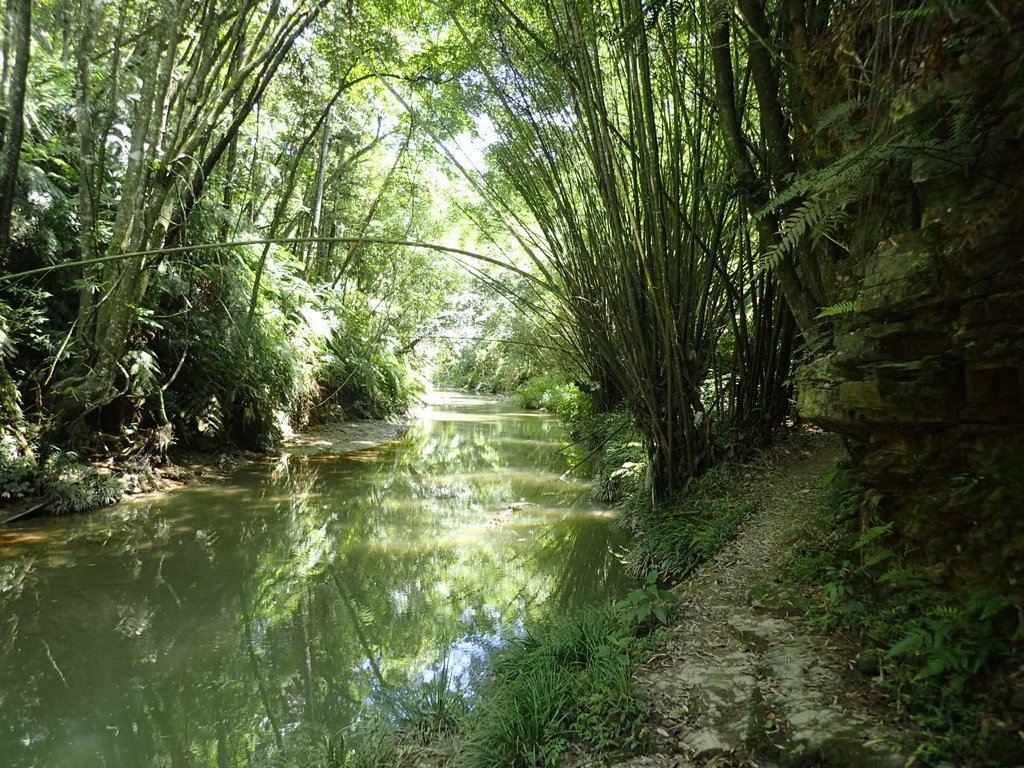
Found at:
(925, 379)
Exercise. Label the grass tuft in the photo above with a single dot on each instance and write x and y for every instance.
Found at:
(675, 539)
(565, 684)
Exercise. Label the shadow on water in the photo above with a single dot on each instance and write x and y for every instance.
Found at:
(209, 627)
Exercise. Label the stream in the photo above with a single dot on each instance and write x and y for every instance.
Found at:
(218, 626)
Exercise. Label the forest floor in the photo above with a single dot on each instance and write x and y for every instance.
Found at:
(742, 680)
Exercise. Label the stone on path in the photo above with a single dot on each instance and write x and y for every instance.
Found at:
(742, 682)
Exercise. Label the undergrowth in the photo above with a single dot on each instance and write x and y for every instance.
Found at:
(552, 392)
(674, 539)
(567, 684)
(58, 481)
(952, 659)
(563, 687)
(614, 448)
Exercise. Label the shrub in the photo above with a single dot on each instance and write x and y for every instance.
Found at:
(72, 487)
(551, 392)
(18, 476)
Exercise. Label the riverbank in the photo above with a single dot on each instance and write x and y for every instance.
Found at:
(198, 468)
(141, 476)
(738, 678)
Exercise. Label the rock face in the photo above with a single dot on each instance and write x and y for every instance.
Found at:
(926, 377)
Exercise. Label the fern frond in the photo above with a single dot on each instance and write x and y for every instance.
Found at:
(835, 114)
(872, 534)
(805, 218)
(993, 605)
(847, 175)
(900, 577)
(916, 639)
(936, 666)
(879, 557)
(841, 308)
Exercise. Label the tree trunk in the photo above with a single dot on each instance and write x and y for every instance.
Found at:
(318, 198)
(188, 84)
(19, 33)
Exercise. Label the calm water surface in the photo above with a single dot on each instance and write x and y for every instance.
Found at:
(222, 626)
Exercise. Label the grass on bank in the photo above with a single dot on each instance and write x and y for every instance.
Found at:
(954, 660)
(675, 540)
(564, 686)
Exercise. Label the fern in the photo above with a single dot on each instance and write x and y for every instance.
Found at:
(805, 217)
(916, 639)
(828, 191)
(842, 308)
(990, 605)
(872, 534)
(836, 114)
(911, 14)
(819, 216)
(879, 557)
(901, 577)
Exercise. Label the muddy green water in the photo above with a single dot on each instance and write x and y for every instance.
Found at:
(229, 625)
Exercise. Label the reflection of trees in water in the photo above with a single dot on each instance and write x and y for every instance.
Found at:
(260, 610)
(580, 554)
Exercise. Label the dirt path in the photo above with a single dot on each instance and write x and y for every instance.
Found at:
(742, 681)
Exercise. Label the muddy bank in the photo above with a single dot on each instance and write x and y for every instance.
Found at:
(346, 437)
(199, 468)
(142, 476)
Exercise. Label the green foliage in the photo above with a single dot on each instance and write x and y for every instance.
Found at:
(60, 481)
(311, 747)
(620, 459)
(674, 539)
(18, 476)
(565, 682)
(376, 745)
(306, 355)
(943, 649)
(433, 708)
(816, 218)
(551, 392)
(647, 603)
(230, 379)
(839, 308)
(72, 487)
(360, 373)
(498, 350)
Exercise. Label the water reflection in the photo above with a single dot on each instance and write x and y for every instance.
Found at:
(211, 627)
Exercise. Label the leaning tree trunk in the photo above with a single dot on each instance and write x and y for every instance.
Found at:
(194, 71)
